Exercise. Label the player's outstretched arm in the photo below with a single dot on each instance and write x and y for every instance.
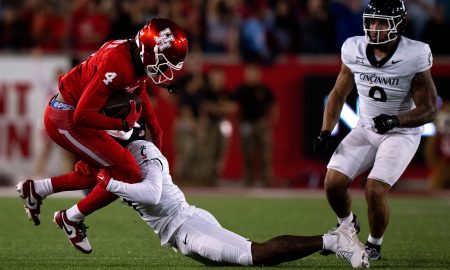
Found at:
(148, 191)
(424, 96)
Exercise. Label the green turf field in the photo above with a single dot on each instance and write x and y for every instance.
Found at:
(418, 236)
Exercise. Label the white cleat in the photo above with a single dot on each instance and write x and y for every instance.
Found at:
(75, 231)
(31, 200)
(350, 248)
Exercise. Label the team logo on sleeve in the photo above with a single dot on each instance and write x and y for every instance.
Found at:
(164, 39)
(144, 152)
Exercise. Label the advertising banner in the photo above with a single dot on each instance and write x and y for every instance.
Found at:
(26, 85)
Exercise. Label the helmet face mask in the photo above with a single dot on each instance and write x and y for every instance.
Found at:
(380, 36)
(162, 48)
(384, 21)
(162, 70)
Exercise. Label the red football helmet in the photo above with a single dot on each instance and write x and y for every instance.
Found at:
(162, 47)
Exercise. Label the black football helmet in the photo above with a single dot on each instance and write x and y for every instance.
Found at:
(393, 11)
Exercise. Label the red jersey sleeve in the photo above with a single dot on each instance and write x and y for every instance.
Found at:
(110, 75)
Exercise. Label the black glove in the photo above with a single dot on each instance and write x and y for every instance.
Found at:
(323, 141)
(384, 123)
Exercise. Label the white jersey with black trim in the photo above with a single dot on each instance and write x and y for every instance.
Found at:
(160, 203)
(384, 86)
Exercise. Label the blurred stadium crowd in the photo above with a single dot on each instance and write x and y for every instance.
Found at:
(255, 30)
(247, 31)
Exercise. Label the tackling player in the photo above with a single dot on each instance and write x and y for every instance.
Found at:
(73, 119)
(397, 96)
(196, 233)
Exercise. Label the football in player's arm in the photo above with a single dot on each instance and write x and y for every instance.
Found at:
(396, 97)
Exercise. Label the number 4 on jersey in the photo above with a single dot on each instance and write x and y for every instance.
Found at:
(109, 77)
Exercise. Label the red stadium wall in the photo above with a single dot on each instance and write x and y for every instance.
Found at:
(290, 165)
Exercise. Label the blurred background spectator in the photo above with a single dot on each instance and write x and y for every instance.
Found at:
(348, 19)
(186, 126)
(215, 128)
(437, 151)
(220, 27)
(90, 26)
(316, 28)
(258, 30)
(437, 27)
(256, 115)
(420, 14)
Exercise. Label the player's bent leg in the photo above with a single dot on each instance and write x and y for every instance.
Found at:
(93, 146)
(72, 181)
(128, 172)
(96, 199)
(211, 244)
(338, 196)
(378, 213)
(101, 151)
(378, 209)
(75, 231)
(31, 200)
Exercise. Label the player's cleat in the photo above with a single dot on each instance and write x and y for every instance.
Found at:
(356, 226)
(374, 251)
(75, 231)
(31, 200)
(355, 223)
(350, 248)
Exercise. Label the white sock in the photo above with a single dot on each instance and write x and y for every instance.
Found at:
(43, 187)
(330, 242)
(375, 241)
(346, 220)
(74, 214)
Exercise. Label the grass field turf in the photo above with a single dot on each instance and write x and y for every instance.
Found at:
(418, 236)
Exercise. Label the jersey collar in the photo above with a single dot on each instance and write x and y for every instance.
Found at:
(371, 55)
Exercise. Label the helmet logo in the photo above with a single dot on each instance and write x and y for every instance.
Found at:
(164, 39)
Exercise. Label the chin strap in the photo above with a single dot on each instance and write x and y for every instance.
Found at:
(173, 88)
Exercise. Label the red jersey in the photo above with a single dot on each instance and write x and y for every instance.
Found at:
(89, 84)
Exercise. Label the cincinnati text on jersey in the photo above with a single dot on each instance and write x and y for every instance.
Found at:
(373, 78)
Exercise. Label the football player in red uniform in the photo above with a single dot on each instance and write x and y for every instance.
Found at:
(73, 119)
